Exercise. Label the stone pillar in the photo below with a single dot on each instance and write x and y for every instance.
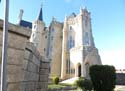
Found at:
(84, 71)
(76, 71)
(82, 65)
(64, 51)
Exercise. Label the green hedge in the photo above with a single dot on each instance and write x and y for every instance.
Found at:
(103, 77)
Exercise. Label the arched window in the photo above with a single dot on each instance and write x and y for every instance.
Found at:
(86, 38)
(71, 42)
(70, 39)
(86, 21)
(70, 28)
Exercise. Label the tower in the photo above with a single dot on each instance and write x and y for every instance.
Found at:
(55, 47)
(38, 27)
(78, 48)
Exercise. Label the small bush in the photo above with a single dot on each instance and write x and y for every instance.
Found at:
(79, 83)
(56, 80)
(87, 84)
(84, 84)
(103, 77)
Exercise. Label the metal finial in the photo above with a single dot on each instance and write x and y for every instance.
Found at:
(42, 3)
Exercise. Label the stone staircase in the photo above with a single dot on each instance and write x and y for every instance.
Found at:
(70, 81)
(120, 78)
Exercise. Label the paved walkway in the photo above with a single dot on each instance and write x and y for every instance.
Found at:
(120, 88)
(72, 80)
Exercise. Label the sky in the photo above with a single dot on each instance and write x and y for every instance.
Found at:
(108, 21)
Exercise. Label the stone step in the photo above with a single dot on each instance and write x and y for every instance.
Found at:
(71, 80)
(120, 78)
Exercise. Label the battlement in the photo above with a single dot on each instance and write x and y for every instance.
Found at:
(56, 23)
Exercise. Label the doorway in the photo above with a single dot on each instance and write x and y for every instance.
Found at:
(79, 70)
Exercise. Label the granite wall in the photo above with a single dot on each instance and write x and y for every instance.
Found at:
(27, 70)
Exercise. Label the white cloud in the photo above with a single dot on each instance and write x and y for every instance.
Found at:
(68, 1)
(115, 57)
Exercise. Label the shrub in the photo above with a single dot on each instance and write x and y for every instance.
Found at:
(103, 77)
(84, 84)
(87, 84)
(56, 80)
(79, 83)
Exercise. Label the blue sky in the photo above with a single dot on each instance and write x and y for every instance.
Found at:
(108, 21)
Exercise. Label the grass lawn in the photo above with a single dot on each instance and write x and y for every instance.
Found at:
(52, 86)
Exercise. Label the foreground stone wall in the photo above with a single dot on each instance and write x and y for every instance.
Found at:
(17, 39)
(36, 70)
(27, 70)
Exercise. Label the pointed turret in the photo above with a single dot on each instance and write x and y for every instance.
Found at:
(40, 16)
(38, 28)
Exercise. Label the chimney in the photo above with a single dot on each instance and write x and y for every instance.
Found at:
(20, 16)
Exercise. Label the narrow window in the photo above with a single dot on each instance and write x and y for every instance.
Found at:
(67, 66)
(51, 37)
(44, 49)
(70, 28)
(34, 26)
(45, 36)
(52, 29)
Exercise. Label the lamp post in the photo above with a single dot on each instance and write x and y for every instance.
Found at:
(4, 47)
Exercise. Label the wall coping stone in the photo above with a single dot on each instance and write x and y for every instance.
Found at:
(30, 46)
(17, 29)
